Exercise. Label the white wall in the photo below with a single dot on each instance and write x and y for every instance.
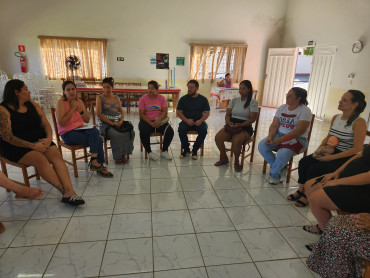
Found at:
(334, 21)
(138, 29)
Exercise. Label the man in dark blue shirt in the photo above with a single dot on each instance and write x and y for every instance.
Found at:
(193, 109)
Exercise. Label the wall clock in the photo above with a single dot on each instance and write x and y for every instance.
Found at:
(357, 47)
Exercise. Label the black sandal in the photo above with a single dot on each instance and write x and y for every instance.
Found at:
(311, 229)
(295, 198)
(299, 203)
(309, 247)
(93, 167)
(74, 200)
(104, 175)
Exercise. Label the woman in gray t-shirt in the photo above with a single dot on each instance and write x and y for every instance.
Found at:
(240, 115)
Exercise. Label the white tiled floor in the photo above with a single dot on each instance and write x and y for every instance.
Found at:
(179, 218)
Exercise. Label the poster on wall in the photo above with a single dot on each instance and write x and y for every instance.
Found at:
(153, 60)
(180, 61)
(163, 61)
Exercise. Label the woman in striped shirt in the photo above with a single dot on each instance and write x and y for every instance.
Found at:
(350, 129)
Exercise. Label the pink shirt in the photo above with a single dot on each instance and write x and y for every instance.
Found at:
(74, 122)
(152, 107)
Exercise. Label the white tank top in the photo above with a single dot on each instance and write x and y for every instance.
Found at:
(343, 132)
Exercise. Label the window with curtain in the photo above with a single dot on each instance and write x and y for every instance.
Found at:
(208, 61)
(91, 52)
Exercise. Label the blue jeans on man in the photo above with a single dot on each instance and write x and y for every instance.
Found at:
(202, 133)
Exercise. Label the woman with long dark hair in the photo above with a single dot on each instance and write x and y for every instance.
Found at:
(287, 134)
(240, 115)
(350, 129)
(71, 117)
(110, 114)
(26, 138)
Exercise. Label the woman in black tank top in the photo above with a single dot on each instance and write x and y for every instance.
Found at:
(26, 137)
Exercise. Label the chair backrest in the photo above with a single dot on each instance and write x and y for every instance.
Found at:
(134, 84)
(52, 110)
(256, 123)
(309, 133)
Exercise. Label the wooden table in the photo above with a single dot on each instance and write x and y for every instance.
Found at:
(127, 93)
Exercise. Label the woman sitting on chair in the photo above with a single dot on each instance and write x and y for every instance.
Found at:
(287, 134)
(71, 116)
(342, 248)
(110, 113)
(152, 111)
(26, 138)
(347, 189)
(350, 129)
(240, 115)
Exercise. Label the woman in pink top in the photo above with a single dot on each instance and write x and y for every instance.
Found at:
(71, 116)
(152, 111)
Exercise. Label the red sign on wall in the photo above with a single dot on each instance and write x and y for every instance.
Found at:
(21, 48)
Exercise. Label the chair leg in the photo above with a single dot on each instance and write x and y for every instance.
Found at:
(160, 142)
(202, 149)
(289, 170)
(74, 162)
(85, 154)
(243, 155)
(253, 147)
(5, 171)
(264, 167)
(37, 173)
(25, 176)
(106, 151)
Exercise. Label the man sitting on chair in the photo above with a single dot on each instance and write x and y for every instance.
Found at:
(193, 109)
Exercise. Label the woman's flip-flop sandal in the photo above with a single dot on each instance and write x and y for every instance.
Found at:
(104, 174)
(238, 167)
(315, 229)
(220, 163)
(294, 197)
(299, 203)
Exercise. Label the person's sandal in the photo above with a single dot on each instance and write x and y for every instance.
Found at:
(103, 174)
(74, 200)
(309, 247)
(220, 163)
(238, 167)
(93, 167)
(2, 228)
(299, 203)
(315, 229)
(294, 197)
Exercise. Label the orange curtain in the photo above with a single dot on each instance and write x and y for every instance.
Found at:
(203, 55)
(92, 53)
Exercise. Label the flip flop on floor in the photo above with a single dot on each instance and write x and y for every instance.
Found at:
(299, 203)
(294, 197)
(309, 247)
(238, 167)
(315, 229)
(74, 200)
(104, 173)
(220, 162)
(2, 228)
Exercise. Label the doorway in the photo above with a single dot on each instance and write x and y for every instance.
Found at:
(281, 71)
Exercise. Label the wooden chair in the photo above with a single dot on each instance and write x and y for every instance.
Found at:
(24, 167)
(191, 133)
(252, 141)
(105, 138)
(160, 142)
(290, 165)
(72, 148)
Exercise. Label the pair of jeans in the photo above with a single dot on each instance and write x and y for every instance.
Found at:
(146, 129)
(202, 133)
(278, 162)
(86, 137)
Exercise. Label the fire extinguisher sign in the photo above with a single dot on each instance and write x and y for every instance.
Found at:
(21, 48)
